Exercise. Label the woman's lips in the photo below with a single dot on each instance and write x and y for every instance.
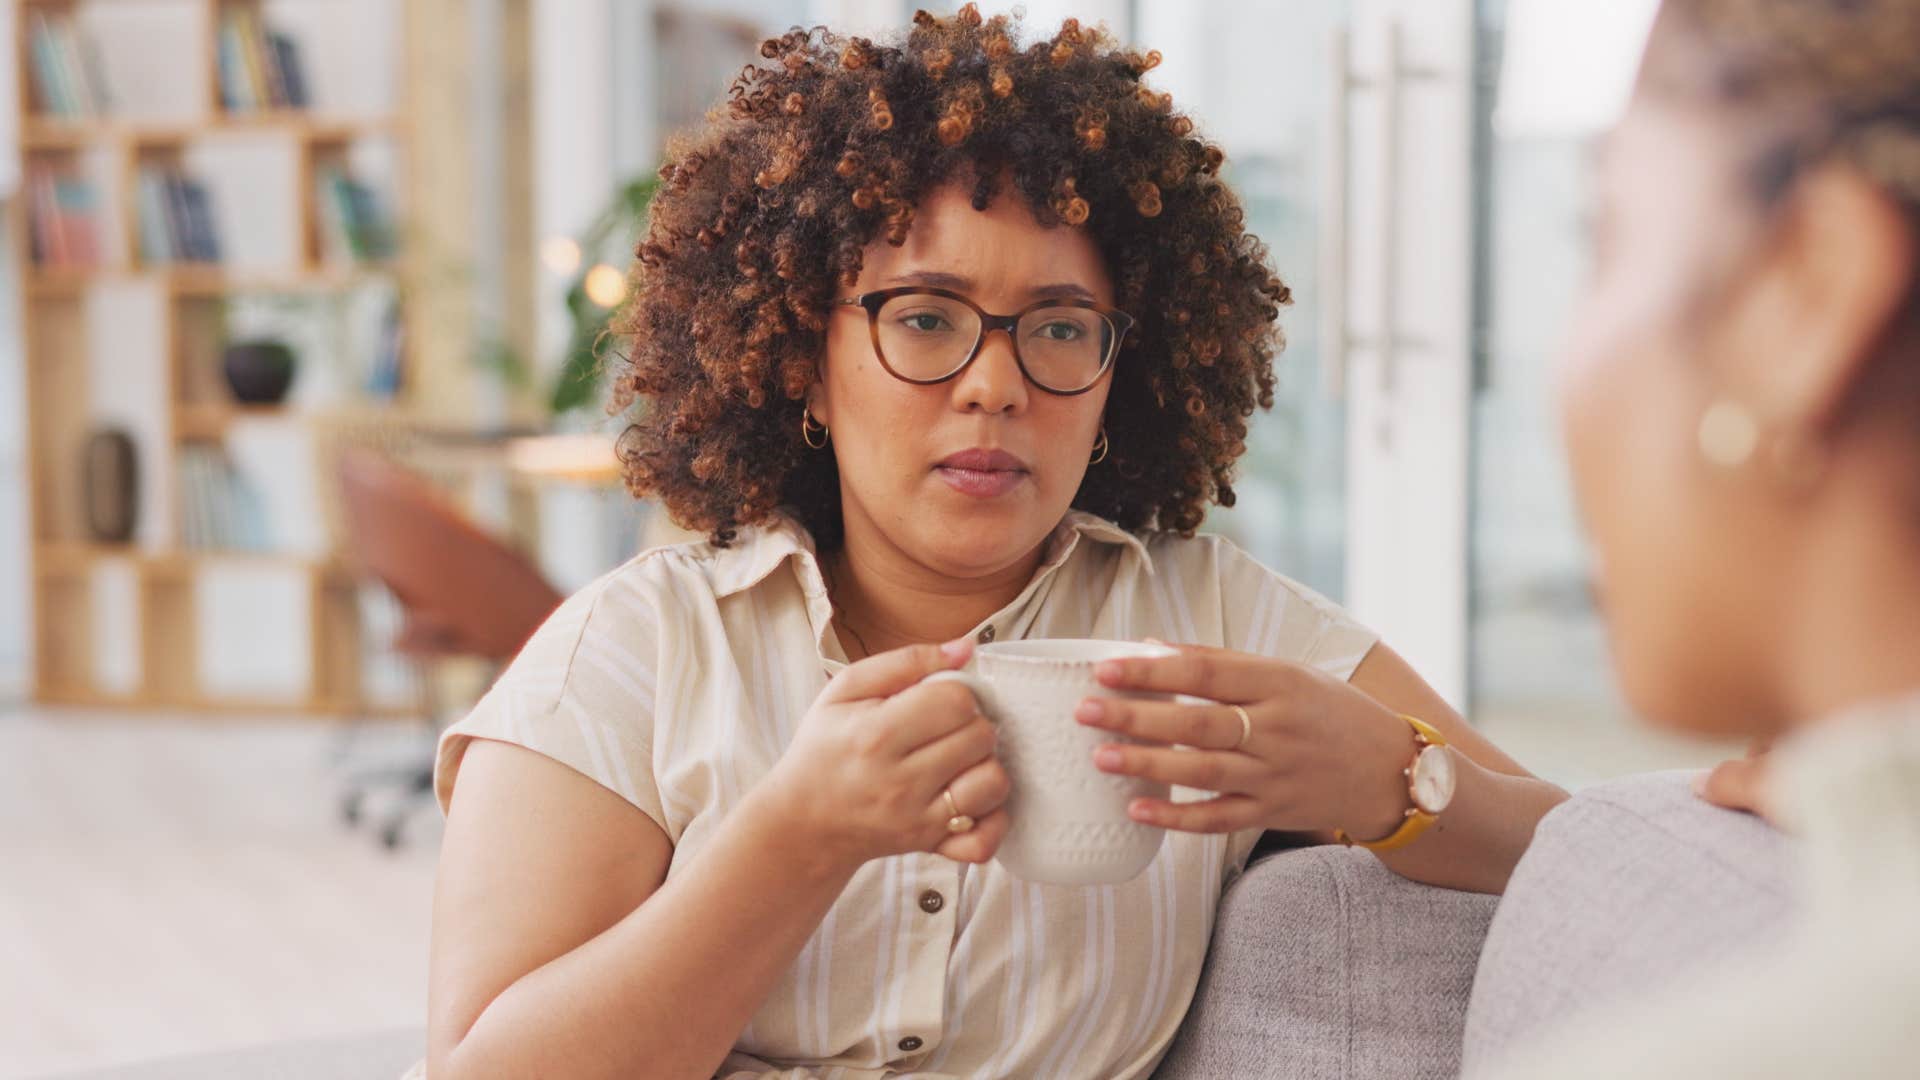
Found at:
(980, 483)
(983, 474)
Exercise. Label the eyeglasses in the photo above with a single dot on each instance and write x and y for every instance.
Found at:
(926, 336)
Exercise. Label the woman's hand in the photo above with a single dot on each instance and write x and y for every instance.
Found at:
(868, 769)
(1318, 754)
(1740, 784)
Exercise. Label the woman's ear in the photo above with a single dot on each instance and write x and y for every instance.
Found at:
(1842, 269)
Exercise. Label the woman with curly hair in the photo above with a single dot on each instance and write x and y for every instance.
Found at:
(940, 341)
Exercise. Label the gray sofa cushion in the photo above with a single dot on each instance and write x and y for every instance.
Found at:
(1326, 964)
(379, 1056)
(1624, 887)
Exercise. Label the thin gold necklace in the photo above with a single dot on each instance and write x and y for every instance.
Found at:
(858, 640)
(840, 616)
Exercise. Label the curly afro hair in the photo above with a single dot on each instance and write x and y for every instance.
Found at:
(763, 214)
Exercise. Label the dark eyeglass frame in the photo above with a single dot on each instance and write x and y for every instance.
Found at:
(874, 301)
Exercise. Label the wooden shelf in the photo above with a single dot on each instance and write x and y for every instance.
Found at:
(219, 281)
(229, 708)
(204, 423)
(64, 280)
(210, 280)
(67, 558)
(41, 134)
(178, 378)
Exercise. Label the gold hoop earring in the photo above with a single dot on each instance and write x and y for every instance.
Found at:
(1100, 448)
(807, 427)
(1728, 434)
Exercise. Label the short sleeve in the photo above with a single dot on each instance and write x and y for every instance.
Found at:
(1269, 614)
(580, 692)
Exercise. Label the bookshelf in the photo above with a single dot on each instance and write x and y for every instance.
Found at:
(135, 219)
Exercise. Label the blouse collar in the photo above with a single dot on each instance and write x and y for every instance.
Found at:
(760, 551)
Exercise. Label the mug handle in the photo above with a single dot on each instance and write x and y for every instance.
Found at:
(974, 684)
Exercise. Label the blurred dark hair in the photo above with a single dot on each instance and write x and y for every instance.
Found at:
(1815, 80)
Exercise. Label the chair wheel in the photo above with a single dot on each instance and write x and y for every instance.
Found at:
(350, 808)
(390, 836)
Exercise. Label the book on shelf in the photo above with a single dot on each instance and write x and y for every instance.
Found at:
(293, 76)
(220, 510)
(258, 68)
(354, 223)
(63, 219)
(175, 217)
(66, 77)
(387, 375)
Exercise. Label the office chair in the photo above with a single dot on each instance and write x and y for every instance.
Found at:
(461, 593)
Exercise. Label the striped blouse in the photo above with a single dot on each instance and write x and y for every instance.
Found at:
(677, 680)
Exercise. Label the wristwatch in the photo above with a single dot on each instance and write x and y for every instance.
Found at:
(1430, 780)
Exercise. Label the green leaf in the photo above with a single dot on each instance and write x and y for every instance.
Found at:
(579, 382)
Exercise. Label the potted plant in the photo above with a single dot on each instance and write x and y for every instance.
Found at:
(259, 371)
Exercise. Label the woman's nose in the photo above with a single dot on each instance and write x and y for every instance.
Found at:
(993, 382)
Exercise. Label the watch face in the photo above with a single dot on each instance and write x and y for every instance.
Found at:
(1433, 779)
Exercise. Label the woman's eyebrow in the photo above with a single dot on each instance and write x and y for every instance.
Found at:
(940, 279)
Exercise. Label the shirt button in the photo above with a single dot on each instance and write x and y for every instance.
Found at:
(931, 901)
(986, 635)
(911, 1043)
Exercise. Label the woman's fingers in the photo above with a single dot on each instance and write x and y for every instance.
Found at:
(1226, 813)
(924, 715)
(891, 672)
(979, 783)
(1205, 727)
(1215, 674)
(978, 793)
(979, 843)
(951, 754)
(1206, 770)
(1740, 784)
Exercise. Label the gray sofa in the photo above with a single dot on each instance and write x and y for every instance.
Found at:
(1325, 964)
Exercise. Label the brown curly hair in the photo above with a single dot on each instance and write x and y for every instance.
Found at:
(764, 212)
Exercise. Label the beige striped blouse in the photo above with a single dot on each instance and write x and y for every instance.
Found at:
(677, 680)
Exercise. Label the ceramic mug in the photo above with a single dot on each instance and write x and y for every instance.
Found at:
(1069, 823)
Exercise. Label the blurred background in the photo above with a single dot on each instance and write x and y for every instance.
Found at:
(299, 430)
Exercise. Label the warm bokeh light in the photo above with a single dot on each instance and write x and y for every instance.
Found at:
(561, 254)
(606, 285)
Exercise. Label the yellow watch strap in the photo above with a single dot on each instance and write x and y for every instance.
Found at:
(1417, 820)
(1425, 730)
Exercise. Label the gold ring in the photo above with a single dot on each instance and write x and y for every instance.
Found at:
(1246, 726)
(959, 822)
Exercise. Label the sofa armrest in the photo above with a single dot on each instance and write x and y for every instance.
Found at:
(1325, 963)
(1625, 886)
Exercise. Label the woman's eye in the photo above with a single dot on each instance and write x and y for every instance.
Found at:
(925, 322)
(1058, 331)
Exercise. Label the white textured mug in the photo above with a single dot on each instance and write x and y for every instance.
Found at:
(1069, 823)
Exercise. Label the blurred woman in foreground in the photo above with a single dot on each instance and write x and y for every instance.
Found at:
(1742, 405)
